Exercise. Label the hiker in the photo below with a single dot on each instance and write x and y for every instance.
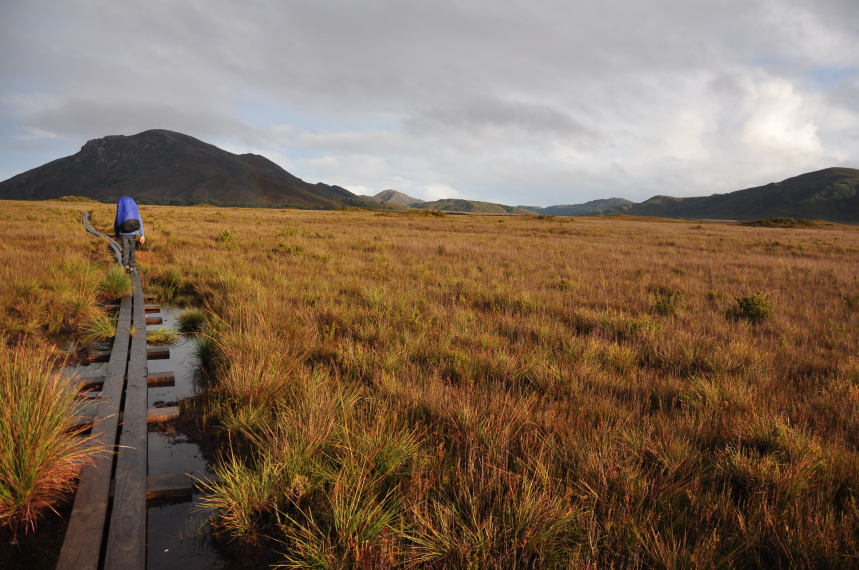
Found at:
(126, 226)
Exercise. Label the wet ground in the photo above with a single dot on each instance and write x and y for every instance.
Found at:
(177, 533)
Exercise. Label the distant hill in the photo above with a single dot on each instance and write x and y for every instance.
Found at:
(473, 206)
(587, 209)
(831, 194)
(397, 198)
(160, 166)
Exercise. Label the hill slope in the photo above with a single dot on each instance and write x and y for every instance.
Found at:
(473, 206)
(397, 198)
(831, 194)
(163, 166)
(588, 208)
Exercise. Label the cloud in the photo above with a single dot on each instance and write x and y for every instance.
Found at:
(545, 102)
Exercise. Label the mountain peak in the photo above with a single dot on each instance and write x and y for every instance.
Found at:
(397, 198)
(164, 166)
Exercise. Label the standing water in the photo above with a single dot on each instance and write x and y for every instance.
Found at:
(177, 531)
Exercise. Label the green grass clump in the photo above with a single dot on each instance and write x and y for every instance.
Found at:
(161, 335)
(116, 282)
(667, 302)
(192, 320)
(205, 351)
(756, 307)
(40, 453)
(99, 329)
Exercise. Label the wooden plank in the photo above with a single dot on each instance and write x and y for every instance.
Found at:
(153, 380)
(85, 420)
(157, 353)
(151, 354)
(126, 541)
(149, 296)
(154, 321)
(153, 308)
(179, 485)
(82, 543)
(99, 355)
(162, 486)
(87, 383)
(161, 379)
(155, 415)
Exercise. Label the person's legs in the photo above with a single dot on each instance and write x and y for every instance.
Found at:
(129, 244)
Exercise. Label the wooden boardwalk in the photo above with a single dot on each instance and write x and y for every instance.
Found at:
(107, 528)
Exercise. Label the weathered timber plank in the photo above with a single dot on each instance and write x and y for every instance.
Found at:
(126, 541)
(87, 383)
(161, 379)
(157, 353)
(153, 308)
(179, 485)
(159, 487)
(155, 415)
(151, 354)
(154, 321)
(153, 380)
(99, 355)
(82, 543)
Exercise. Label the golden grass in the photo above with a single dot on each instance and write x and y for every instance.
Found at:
(40, 452)
(476, 392)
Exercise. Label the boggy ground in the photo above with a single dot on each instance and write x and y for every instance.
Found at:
(517, 392)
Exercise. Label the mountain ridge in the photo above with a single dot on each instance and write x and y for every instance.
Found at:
(830, 194)
(165, 166)
(396, 197)
(588, 208)
(473, 206)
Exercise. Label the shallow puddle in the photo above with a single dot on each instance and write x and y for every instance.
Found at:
(177, 532)
(178, 535)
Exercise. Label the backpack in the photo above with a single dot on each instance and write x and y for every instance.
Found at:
(129, 226)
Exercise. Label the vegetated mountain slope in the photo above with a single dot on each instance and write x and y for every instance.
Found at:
(586, 209)
(397, 198)
(831, 194)
(473, 206)
(163, 166)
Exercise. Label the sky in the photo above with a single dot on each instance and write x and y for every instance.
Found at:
(532, 102)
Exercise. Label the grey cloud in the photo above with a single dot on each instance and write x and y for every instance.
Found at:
(490, 113)
(482, 96)
(91, 119)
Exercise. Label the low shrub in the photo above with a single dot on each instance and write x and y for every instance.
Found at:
(755, 307)
(667, 302)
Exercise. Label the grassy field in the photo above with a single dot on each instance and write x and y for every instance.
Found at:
(504, 392)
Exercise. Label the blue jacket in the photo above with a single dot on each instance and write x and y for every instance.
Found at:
(126, 209)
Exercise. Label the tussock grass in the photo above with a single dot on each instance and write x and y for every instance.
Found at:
(117, 282)
(40, 455)
(161, 335)
(192, 320)
(459, 392)
(101, 328)
(547, 399)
